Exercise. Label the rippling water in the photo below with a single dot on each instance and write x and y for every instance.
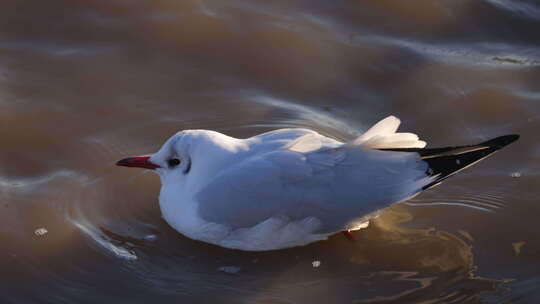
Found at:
(85, 83)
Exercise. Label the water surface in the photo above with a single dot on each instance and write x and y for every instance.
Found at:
(85, 83)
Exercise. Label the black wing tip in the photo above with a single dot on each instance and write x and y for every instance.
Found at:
(445, 164)
(501, 141)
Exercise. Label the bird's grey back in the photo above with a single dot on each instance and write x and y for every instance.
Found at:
(335, 185)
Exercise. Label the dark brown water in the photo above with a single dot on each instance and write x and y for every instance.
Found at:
(85, 83)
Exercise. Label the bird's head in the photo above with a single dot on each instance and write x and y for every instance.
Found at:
(190, 157)
(172, 162)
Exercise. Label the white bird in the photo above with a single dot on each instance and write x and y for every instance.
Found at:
(291, 187)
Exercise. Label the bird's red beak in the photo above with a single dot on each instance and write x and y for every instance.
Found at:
(137, 161)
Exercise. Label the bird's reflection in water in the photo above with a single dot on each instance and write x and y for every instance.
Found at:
(421, 264)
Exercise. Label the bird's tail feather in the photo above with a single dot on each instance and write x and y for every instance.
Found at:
(384, 135)
(445, 162)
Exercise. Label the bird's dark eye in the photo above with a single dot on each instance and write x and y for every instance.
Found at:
(173, 162)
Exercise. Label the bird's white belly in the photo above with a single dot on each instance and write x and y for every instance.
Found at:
(273, 233)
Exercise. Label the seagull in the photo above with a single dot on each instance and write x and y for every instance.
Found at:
(291, 187)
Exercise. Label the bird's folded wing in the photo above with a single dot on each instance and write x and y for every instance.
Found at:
(335, 185)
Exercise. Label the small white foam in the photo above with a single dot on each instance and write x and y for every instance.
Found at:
(229, 269)
(150, 237)
(41, 231)
(515, 174)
